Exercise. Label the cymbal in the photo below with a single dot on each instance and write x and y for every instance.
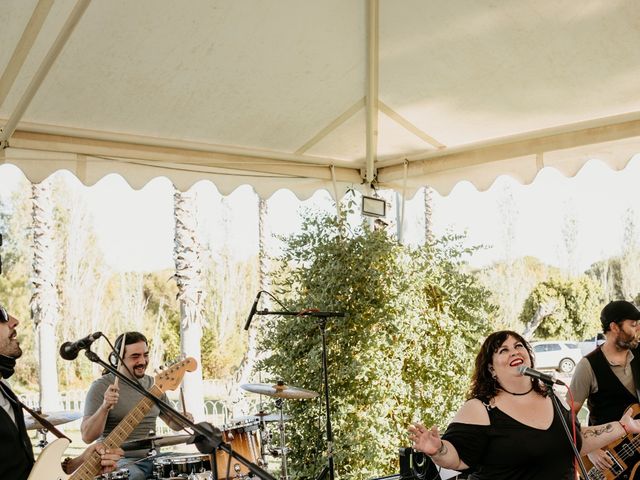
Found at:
(153, 442)
(56, 418)
(279, 390)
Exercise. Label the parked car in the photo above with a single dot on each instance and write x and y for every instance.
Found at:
(588, 346)
(561, 356)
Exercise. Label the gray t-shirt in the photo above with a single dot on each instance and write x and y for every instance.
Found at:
(128, 399)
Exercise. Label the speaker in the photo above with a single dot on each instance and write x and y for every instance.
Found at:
(417, 466)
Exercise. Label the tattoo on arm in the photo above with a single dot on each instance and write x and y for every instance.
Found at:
(597, 430)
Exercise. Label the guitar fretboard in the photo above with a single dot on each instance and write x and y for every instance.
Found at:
(91, 467)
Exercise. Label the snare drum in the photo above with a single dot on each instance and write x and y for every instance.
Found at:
(244, 438)
(122, 474)
(181, 466)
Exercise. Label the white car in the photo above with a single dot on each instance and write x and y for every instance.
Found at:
(588, 346)
(561, 356)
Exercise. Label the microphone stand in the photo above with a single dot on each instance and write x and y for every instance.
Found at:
(212, 436)
(322, 324)
(556, 405)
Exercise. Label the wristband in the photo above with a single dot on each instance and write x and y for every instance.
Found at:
(440, 449)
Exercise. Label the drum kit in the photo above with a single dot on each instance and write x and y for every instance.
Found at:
(250, 436)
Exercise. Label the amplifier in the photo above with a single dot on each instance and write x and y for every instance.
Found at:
(416, 465)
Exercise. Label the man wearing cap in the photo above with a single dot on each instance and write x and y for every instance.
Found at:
(608, 378)
(16, 453)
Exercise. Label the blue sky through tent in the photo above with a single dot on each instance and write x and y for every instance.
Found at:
(135, 227)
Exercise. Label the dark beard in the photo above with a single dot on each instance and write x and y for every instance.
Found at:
(626, 344)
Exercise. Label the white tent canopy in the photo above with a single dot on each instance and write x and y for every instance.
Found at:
(307, 94)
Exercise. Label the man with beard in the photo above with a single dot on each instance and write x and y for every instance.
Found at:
(608, 378)
(16, 452)
(108, 402)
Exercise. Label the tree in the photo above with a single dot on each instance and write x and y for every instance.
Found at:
(17, 256)
(238, 400)
(414, 317)
(44, 302)
(510, 283)
(609, 276)
(630, 259)
(569, 245)
(427, 198)
(190, 295)
(80, 269)
(577, 305)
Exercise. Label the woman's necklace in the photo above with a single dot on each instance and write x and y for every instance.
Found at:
(516, 394)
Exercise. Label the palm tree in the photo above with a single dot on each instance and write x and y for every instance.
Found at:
(44, 305)
(238, 400)
(428, 214)
(190, 295)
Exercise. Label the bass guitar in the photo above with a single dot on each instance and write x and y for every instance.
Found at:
(625, 455)
(49, 463)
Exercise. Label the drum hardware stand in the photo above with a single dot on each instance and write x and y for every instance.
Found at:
(42, 433)
(207, 438)
(321, 317)
(283, 442)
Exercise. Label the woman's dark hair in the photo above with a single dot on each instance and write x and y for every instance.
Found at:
(483, 385)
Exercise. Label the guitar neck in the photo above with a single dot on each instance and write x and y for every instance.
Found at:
(91, 467)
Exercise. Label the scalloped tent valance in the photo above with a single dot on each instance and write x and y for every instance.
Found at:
(308, 95)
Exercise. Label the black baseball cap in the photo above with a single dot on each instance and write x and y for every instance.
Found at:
(618, 311)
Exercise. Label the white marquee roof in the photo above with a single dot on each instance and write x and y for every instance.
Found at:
(298, 93)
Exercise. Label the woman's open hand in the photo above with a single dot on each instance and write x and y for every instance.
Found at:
(425, 440)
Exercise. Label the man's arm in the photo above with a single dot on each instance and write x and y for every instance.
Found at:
(95, 419)
(582, 384)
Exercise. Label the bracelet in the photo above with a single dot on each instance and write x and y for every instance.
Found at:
(624, 427)
(440, 450)
(65, 465)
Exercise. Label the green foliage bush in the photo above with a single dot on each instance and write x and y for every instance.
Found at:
(403, 351)
(578, 304)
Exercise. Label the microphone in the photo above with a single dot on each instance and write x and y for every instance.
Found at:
(69, 350)
(254, 309)
(543, 377)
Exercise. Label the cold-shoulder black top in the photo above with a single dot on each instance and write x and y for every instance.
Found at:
(509, 450)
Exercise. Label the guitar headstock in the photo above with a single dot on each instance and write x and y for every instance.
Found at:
(171, 377)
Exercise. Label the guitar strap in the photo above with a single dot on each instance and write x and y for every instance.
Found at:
(43, 421)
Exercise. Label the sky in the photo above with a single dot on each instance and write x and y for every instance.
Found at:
(135, 227)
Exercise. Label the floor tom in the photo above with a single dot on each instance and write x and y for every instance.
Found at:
(244, 438)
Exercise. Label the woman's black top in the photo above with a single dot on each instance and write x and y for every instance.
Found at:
(509, 450)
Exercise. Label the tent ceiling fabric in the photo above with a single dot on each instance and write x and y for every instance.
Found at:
(274, 93)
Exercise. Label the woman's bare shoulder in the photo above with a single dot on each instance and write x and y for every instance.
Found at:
(472, 412)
